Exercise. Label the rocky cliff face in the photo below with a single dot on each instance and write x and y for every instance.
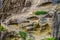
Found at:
(13, 5)
(18, 5)
(8, 7)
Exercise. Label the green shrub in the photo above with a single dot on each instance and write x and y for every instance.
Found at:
(23, 35)
(1, 28)
(40, 12)
(48, 39)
